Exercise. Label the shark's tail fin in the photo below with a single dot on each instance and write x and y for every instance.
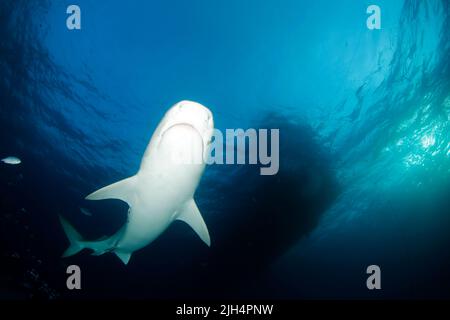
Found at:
(75, 239)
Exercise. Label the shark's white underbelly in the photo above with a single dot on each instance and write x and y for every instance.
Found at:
(144, 227)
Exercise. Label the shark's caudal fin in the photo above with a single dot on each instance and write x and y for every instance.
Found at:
(74, 237)
(121, 190)
(99, 247)
(192, 216)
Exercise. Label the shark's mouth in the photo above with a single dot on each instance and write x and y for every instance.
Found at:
(206, 141)
(184, 124)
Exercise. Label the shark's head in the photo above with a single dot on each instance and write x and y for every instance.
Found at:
(183, 117)
(192, 114)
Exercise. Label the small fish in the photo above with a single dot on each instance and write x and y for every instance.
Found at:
(11, 160)
(86, 212)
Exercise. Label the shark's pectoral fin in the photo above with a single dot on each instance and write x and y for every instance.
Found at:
(192, 216)
(124, 256)
(121, 190)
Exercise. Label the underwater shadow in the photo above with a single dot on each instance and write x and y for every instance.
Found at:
(254, 219)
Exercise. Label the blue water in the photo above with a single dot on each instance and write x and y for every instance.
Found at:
(364, 145)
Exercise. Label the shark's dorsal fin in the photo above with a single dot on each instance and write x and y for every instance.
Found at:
(192, 216)
(122, 190)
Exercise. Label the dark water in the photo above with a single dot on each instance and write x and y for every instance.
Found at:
(364, 145)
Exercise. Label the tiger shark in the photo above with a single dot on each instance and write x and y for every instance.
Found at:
(162, 191)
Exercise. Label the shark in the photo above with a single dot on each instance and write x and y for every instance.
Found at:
(162, 190)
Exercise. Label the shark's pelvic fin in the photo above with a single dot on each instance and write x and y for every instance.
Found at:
(192, 216)
(74, 237)
(124, 256)
(121, 190)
